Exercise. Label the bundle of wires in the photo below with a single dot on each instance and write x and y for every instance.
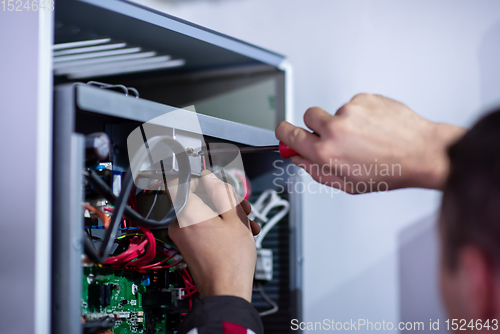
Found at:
(141, 251)
(121, 208)
(190, 289)
(268, 201)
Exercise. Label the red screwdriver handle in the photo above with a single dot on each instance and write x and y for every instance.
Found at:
(286, 152)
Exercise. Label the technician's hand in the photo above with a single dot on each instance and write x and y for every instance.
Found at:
(219, 251)
(373, 143)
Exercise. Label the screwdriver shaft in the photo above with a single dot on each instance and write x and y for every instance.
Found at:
(242, 150)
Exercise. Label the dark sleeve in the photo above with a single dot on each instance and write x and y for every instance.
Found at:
(222, 315)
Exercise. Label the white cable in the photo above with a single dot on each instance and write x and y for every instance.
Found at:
(274, 308)
(274, 202)
(262, 198)
(258, 206)
(256, 214)
(154, 203)
(261, 212)
(270, 224)
(267, 201)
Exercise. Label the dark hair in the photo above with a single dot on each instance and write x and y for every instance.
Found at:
(470, 211)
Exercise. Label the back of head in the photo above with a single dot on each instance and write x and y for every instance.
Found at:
(471, 200)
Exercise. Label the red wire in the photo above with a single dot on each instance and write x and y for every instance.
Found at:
(169, 266)
(145, 246)
(133, 199)
(162, 261)
(188, 282)
(186, 272)
(190, 294)
(135, 250)
(136, 246)
(150, 253)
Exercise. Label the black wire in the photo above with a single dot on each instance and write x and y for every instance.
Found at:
(133, 215)
(116, 217)
(90, 250)
(120, 203)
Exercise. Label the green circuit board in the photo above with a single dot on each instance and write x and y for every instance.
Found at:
(121, 296)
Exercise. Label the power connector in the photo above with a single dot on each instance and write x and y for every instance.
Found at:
(264, 265)
(177, 293)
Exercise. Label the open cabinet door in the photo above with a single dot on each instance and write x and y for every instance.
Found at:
(26, 104)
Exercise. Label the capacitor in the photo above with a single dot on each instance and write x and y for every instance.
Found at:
(141, 288)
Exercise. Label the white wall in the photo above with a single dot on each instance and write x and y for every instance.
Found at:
(442, 58)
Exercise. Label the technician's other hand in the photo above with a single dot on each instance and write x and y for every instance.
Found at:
(372, 143)
(219, 251)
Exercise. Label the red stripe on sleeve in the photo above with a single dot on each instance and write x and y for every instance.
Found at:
(230, 328)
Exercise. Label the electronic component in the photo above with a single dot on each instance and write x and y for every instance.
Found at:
(157, 298)
(122, 315)
(177, 293)
(173, 321)
(264, 264)
(122, 298)
(188, 139)
(99, 295)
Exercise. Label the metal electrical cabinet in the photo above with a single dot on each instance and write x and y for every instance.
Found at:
(239, 91)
